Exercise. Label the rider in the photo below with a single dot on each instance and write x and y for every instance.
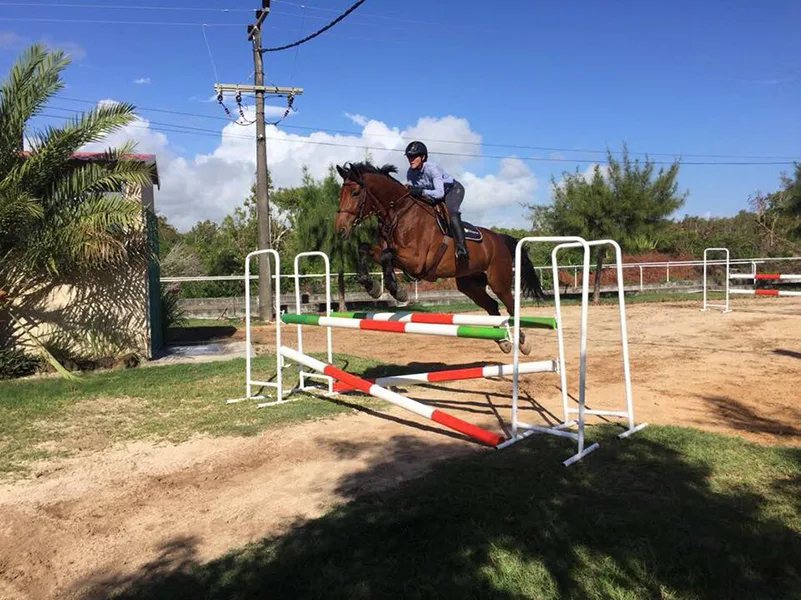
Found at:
(429, 181)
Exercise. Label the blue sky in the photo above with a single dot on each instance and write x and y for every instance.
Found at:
(562, 78)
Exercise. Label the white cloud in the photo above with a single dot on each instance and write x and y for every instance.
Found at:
(209, 186)
(14, 41)
(10, 39)
(360, 120)
(142, 81)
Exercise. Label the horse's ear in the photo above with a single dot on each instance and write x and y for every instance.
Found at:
(342, 172)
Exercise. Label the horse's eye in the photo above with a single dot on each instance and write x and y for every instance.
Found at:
(354, 192)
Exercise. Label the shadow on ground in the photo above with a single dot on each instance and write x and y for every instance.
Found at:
(654, 516)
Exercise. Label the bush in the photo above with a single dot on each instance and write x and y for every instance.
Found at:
(172, 315)
(16, 363)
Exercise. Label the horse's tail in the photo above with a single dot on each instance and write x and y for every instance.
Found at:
(529, 280)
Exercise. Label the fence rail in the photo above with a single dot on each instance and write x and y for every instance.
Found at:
(634, 273)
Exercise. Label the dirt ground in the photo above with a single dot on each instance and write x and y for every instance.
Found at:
(84, 526)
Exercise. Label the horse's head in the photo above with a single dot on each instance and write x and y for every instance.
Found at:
(353, 201)
(364, 193)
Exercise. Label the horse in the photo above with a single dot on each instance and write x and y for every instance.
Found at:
(411, 239)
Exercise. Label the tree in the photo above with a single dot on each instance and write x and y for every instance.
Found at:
(626, 201)
(61, 218)
(168, 236)
(314, 222)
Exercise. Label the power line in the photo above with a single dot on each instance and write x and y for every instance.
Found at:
(116, 22)
(125, 7)
(356, 5)
(188, 130)
(387, 17)
(465, 143)
(211, 57)
(225, 10)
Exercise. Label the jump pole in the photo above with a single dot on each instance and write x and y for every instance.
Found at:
(765, 292)
(474, 431)
(541, 366)
(463, 331)
(450, 319)
(773, 276)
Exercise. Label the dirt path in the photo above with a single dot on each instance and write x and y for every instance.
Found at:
(86, 525)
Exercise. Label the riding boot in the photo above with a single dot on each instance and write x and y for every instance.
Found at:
(457, 230)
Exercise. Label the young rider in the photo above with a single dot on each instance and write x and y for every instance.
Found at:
(429, 181)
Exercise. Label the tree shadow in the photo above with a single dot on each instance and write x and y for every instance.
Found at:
(739, 416)
(788, 353)
(644, 518)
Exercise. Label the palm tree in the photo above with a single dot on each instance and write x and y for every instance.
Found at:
(60, 218)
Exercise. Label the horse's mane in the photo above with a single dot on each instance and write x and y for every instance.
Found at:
(361, 168)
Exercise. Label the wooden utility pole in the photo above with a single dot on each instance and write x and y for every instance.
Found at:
(262, 191)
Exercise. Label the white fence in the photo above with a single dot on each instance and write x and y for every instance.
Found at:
(640, 268)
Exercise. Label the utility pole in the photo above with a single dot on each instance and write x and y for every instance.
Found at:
(262, 192)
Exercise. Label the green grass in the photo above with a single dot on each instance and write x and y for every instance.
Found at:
(671, 513)
(51, 417)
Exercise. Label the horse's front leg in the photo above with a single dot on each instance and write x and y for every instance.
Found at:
(366, 254)
(396, 290)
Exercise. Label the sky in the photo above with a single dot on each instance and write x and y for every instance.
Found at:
(508, 95)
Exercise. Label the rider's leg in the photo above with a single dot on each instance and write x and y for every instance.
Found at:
(453, 200)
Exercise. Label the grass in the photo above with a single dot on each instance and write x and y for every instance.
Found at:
(44, 418)
(673, 514)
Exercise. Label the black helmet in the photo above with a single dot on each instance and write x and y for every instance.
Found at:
(417, 149)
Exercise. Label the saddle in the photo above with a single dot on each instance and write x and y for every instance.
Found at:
(471, 232)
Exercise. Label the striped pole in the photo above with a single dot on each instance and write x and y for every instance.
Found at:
(436, 415)
(449, 319)
(542, 366)
(782, 276)
(463, 331)
(765, 292)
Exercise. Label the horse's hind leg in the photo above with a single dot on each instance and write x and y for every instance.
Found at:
(475, 287)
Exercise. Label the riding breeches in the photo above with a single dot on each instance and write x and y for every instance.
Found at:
(454, 195)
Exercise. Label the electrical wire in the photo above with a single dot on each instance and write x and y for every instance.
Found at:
(463, 143)
(186, 129)
(316, 33)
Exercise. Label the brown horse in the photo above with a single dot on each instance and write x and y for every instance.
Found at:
(411, 240)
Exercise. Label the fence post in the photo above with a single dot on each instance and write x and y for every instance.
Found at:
(668, 272)
(641, 288)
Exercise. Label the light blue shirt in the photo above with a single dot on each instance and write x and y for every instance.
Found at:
(432, 178)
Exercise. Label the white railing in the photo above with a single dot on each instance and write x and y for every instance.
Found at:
(752, 263)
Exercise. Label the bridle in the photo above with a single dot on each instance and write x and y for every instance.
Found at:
(361, 212)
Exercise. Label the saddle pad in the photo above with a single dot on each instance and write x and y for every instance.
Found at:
(471, 232)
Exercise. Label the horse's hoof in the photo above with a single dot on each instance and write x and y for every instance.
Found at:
(505, 346)
(525, 347)
(400, 294)
(374, 291)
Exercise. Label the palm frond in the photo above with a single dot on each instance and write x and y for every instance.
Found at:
(31, 82)
(110, 173)
(52, 150)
